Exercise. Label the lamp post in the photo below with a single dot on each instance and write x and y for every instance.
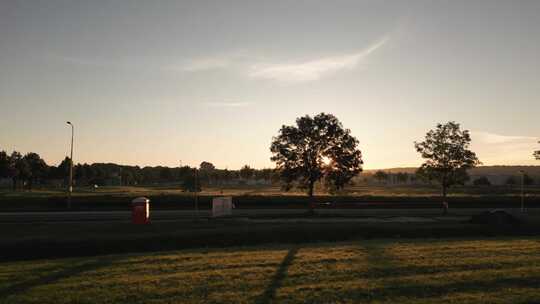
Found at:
(522, 190)
(70, 189)
(196, 193)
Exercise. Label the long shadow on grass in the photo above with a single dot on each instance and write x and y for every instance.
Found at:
(270, 293)
(384, 266)
(63, 273)
(429, 290)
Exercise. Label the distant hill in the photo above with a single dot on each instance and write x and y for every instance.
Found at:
(479, 171)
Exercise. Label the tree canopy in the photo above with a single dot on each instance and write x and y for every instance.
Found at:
(447, 155)
(316, 148)
(537, 154)
(207, 166)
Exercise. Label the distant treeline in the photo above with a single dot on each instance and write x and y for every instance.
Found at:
(27, 171)
(477, 177)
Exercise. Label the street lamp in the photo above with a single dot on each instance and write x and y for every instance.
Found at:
(522, 190)
(196, 193)
(70, 189)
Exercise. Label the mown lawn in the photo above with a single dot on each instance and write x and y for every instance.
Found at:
(378, 271)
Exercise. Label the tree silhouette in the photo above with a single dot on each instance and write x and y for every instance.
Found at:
(447, 155)
(537, 154)
(317, 147)
(207, 166)
(4, 164)
(37, 168)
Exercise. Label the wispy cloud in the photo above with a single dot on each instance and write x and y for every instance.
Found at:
(228, 104)
(504, 149)
(492, 138)
(217, 61)
(313, 69)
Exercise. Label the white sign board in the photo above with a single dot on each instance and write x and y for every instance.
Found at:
(222, 206)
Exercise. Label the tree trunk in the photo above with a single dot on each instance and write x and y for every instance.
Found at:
(14, 180)
(311, 205)
(444, 202)
(444, 193)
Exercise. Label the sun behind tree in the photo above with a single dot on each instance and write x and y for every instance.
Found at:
(316, 148)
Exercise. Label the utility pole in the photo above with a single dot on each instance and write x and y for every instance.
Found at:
(522, 190)
(70, 189)
(197, 193)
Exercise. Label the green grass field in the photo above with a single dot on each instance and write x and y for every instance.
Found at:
(378, 271)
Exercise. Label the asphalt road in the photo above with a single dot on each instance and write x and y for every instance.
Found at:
(179, 215)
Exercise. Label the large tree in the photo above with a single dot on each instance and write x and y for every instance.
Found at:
(447, 156)
(537, 153)
(316, 148)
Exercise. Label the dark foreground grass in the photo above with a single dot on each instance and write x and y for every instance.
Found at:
(504, 270)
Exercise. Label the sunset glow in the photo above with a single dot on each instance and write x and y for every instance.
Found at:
(174, 83)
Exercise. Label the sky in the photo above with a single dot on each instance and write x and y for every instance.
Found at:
(181, 82)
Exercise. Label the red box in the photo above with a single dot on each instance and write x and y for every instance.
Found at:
(140, 211)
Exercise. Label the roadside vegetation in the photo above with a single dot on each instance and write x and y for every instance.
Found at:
(173, 197)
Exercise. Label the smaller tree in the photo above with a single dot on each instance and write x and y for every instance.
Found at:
(447, 155)
(207, 166)
(537, 154)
